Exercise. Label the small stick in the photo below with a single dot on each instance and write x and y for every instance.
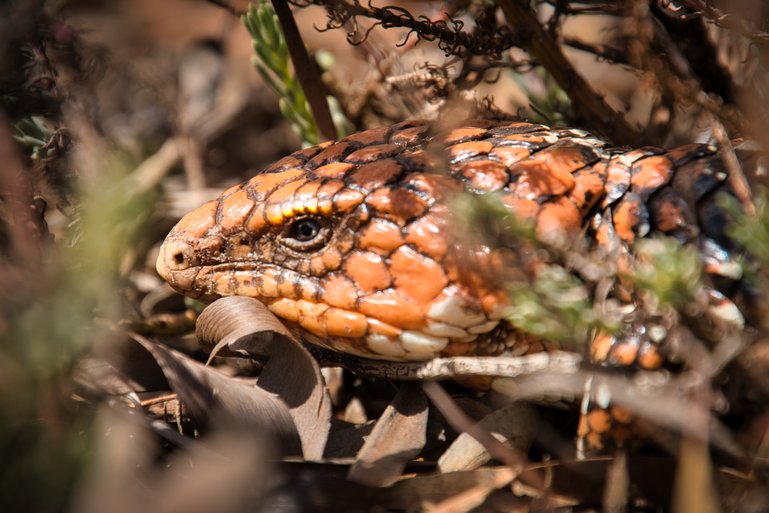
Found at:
(306, 71)
(737, 179)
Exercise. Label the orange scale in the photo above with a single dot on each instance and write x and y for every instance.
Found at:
(342, 323)
(285, 163)
(380, 235)
(347, 199)
(326, 194)
(601, 346)
(234, 210)
(464, 134)
(339, 291)
(332, 259)
(279, 205)
(311, 317)
(599, 420)
(285, 309)
(631, 218)
(196, 224)
(469, 149)
(485, 175)
(560, 218)
(305, 199)
(536, 178)
(256, 222)
(569, 157)
(649, 357)
(394, 308)
(263, 184)
(381, 328)
(367, 270)
(434, 186)
(333, 170)
(509, 155)
(428, 235)
(524, 209)
(416, 275)
(625, 351)
(332, 153)
(588, 187)
(649, 174)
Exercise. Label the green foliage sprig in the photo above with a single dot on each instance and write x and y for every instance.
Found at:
(273, 63)
(554, 303)
(672, 272)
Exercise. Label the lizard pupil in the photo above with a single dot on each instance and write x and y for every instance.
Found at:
(305, 234)
(304, 230)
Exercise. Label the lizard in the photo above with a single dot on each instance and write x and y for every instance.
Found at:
(350, 242)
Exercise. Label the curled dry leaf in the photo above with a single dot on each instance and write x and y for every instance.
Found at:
(243, 326)
(513, 425)
(397, 437)
(207, 394)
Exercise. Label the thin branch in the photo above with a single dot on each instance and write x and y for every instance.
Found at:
(450, 368)
(736, 177)
(601, 51)
(452, 40)
(728, 21)
(306, 71)
(588, 104)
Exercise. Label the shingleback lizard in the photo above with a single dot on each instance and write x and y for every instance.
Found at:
(350, 242)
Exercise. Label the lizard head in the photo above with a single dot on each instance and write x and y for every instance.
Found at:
(357, 257)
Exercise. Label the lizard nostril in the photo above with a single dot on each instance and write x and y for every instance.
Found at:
(175, 257)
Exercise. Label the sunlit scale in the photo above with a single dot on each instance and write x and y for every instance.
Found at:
(377, 268)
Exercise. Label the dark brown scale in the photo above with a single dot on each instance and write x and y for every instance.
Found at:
(333, 153)
(672, 215)
(699, 177)
(296, 159)
(373, 153)
(371, 137)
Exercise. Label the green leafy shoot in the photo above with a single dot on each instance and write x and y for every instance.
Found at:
(751, 232)
(34, 134)
(672, 272)
(485, 219)
(547, 101)
(556, 306)
(273, 63)
(551, 302)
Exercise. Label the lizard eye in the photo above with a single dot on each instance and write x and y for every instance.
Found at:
(306, 234)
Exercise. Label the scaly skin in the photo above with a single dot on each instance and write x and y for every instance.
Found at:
(349, 241)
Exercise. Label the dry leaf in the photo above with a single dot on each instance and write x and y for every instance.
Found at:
(513, 425)
(243, 326)
(208, 394)
(397, 437)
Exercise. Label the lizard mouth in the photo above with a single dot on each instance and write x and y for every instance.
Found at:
(297, 299)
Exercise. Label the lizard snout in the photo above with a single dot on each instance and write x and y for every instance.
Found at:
(176, 263)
